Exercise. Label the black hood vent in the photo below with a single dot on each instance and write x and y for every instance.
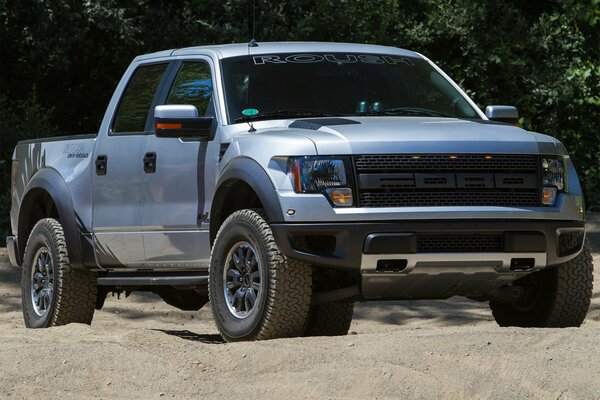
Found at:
(317, 123)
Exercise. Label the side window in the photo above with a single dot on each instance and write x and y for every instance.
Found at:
(193, 85)
(137, 99)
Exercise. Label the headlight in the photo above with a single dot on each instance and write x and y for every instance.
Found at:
(553, 179)
(327, 175)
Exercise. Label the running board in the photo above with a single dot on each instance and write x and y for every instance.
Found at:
(121, 279)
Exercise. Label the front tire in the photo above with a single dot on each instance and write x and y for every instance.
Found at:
(555, 298)
(255, 292)
(52, 292)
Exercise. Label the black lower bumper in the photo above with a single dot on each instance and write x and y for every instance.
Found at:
(342, 245)
(13, 251)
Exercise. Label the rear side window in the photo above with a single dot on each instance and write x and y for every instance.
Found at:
(193, 85)
(137, 99)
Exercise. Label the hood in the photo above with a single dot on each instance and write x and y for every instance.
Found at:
(378, 135)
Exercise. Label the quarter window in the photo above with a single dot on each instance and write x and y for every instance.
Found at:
(137, 99)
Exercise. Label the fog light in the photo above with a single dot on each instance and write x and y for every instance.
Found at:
(548, 196)
(341, 197)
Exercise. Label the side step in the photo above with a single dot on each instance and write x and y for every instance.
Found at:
(124, 279)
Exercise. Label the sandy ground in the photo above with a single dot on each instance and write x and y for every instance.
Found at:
(142, 348)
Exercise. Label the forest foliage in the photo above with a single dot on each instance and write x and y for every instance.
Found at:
(60, 60)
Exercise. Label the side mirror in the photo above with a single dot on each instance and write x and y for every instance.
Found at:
(506, 114)
(181, 121)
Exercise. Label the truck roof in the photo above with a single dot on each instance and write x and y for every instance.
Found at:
(240, 49)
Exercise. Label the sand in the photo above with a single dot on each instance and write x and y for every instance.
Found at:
(140, 347)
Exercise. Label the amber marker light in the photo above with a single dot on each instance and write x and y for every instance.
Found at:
(161, 125)
(548, 196)
(453, 157)
(341, 197)
(488, 157)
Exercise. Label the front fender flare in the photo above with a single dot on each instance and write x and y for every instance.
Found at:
(250, 172)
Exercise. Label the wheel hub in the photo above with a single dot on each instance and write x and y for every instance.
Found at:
(246, 281)
(42, 282)
(242, 279)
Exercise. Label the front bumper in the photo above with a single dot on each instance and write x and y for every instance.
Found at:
(349, 245)
(400, 260)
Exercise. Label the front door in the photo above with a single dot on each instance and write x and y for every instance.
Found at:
(174, 232)
(117, 181)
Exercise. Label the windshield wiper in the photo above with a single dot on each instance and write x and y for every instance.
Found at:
(295, 113)
(410, 111)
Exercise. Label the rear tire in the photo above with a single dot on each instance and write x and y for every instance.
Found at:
(331, 319)
(255, 292)
(555, 298)
(52, 292)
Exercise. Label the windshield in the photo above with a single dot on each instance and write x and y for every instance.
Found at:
(337, 84)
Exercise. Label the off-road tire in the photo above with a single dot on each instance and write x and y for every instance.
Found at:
(563, 300)
(331, 319)
(282, 307)
(74, 290)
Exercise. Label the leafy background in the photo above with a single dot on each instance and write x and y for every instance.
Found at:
(61, 60)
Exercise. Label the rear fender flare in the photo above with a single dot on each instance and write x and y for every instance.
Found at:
(52, 182)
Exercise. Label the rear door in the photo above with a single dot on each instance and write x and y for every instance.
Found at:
(175, 231)
(117, 181)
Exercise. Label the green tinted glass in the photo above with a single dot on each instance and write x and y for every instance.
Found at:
(137, 99)
(193, 85)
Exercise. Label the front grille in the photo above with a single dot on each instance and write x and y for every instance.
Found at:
(436, 162)
(430, 180)
(458, 243)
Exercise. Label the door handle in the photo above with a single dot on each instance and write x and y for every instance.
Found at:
(101, 164)
(150, 163)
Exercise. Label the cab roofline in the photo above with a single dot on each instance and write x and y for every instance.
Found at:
(241, 49)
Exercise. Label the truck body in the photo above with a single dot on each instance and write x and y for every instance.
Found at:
(379, 195)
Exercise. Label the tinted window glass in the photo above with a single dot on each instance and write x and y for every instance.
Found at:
(193, 85)
(341, 84)
(137, 99)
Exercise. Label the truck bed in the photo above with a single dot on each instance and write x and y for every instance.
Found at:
(71, 157)
(59, 138)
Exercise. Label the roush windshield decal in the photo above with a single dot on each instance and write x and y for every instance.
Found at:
(333, 58)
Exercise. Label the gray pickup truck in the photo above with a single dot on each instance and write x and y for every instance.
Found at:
(286, 181)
